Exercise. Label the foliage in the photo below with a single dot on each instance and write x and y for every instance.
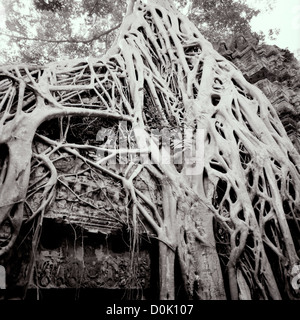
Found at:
(219, 19)
(40, 31)
(60, 29)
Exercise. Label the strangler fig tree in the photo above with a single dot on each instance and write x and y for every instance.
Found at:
(231, 218)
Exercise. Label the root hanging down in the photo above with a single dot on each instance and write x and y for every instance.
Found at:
(234, 225)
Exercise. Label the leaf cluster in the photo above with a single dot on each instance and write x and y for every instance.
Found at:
(62, 29)
(218, 20)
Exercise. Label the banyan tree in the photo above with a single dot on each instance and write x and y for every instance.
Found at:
(194, 156)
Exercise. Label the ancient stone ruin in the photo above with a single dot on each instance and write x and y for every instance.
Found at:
(275, 71)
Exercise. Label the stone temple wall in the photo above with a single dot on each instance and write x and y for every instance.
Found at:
(273, 70)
